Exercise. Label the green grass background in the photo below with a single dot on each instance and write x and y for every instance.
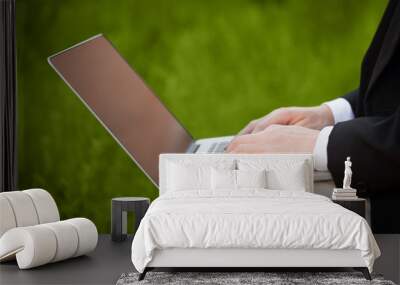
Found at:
(215, 64)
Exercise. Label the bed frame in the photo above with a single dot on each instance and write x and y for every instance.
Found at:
(250, 259)
(260, 259)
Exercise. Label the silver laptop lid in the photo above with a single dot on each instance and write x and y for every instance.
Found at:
(122, 102)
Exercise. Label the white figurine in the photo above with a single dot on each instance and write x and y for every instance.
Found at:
(347, 174)
(345, 193)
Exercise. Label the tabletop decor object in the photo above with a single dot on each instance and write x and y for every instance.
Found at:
(347, 192)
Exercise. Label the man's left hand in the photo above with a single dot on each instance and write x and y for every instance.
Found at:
(276, 139)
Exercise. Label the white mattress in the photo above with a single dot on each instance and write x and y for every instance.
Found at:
(256, 219)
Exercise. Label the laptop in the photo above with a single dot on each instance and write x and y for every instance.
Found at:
(123, 103)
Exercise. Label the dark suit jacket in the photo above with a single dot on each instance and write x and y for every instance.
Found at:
(372, 139)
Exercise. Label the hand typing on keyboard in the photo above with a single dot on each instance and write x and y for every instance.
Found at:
(276, 139)
(310, 117)
(284, 130)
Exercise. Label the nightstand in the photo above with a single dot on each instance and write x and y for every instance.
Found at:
(119, 208)
(357, 205)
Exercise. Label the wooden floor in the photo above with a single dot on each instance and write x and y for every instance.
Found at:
(103, 266)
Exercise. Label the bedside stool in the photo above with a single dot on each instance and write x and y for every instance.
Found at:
(358, 206)
(119, 208)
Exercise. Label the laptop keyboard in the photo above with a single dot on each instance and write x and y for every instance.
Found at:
(218, 147)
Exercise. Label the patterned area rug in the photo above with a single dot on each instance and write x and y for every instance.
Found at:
(231, 278)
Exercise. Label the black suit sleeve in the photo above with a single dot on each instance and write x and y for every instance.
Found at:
(373, 143)
(352, 98)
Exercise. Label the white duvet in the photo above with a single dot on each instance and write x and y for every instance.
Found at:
(250, 219)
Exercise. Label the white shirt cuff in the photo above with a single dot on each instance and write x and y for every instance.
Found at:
(341, 110)
(320, 152)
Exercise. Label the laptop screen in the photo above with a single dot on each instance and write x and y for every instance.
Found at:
(122, 102)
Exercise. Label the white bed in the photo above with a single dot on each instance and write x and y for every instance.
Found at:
(250, 227)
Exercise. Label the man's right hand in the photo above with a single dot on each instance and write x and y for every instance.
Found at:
(310, 117)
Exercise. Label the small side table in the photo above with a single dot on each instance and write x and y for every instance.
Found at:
(358, 205)
(119, 208)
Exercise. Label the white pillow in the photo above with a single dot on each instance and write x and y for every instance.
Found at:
(237, 179)
(251, 178)
(188, 177)
(223, 179)
(281, 174)
(192, 173)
